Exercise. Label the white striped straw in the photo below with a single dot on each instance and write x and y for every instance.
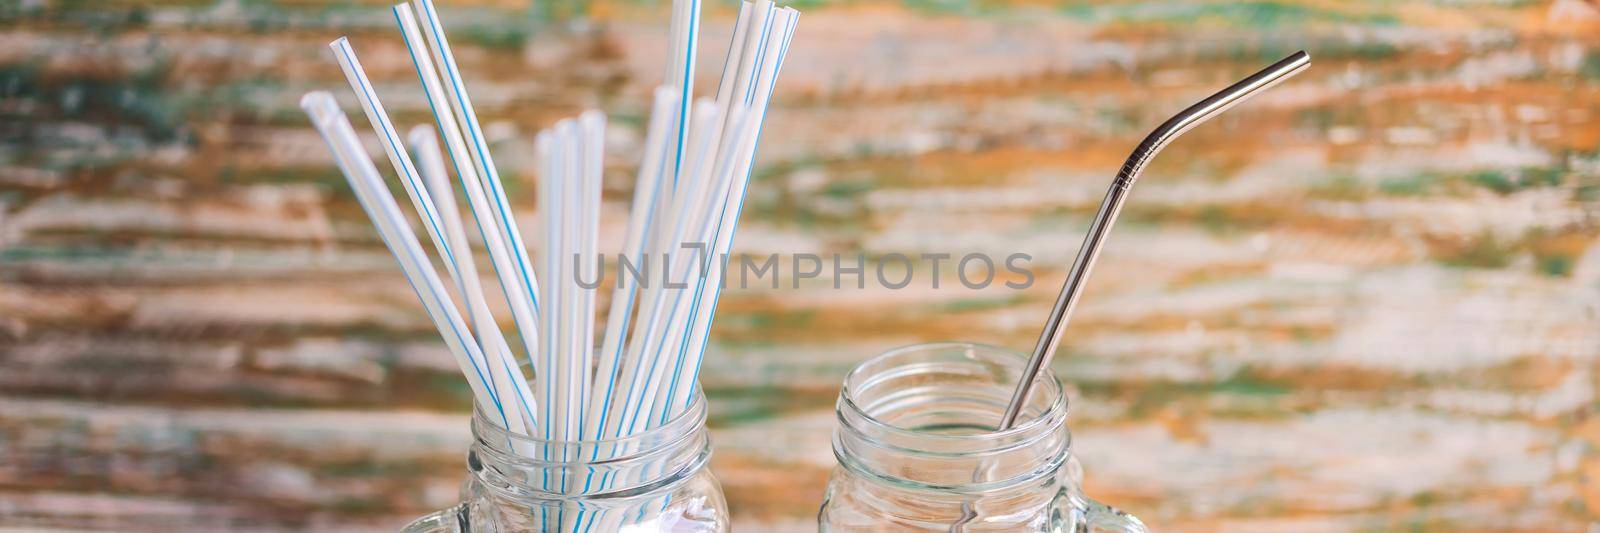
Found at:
(645, 352)
(578, 238)
(592, 128)
(552, 146)
(570, 147)
(680, 74)
(396, 233)
(461, 102)
(678, 318)
(647, 190)
(506, 380)
(708, 158)
(559, 359)
(693, 351)
(518, 296)
(550, 217)
(684, 32)
(568, 214)
(730, 65)
(392, 146)
(734, 58)
(573, 174)
(756, 37)
(431, 162)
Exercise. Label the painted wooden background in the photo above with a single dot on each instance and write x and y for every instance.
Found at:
(1368, 300)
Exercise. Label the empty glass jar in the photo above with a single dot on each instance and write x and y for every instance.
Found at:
(656, 481)
(917, 451)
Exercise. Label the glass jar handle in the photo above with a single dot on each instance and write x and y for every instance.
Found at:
(450, 520)
(1098, 517)
(1102, 518)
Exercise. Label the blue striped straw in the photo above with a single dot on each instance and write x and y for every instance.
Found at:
(643, 213)
(507, 381)
(430, 163)
(684, 75)
(430, 160)
(487, 173)
(701, 326)
(385, 213)
(503, 256)
(392, 146)
(637, 397)
(764, 76)
(661, 410)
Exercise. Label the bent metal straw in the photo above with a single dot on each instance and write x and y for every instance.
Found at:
(1213, 105)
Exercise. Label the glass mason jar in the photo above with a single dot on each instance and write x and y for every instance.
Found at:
(656, 481)
(917, 450)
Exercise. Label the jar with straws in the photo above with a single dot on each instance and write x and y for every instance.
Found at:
(598, 427)
(960, 437)
(656, 480)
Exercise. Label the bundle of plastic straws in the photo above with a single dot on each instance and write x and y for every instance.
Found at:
(588, 382)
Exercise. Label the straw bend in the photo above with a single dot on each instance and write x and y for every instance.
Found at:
(1204, 110)
(1111, 206)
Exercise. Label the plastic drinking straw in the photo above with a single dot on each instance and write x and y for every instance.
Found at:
(682, 315)
(761, 21)
(553, 212)
(700, 329)
(645, 351)
(431, 162)
(684, 40)
(566, 286)
(592, 127)
(643, 212)
(696, 261)
(396, 233)
(461, 102)
(504, 377)
(562, 361)
(392, 146)
(738, 55)
(685, 34)
(731, 62)
(503, 259)
(1111, 206)
(647, 190)
(581, 161)
(760, 84)
(545, 154)
(572, 175)
(436, 179)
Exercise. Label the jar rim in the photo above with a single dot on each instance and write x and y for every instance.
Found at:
(533, 469)
(1053, 415)
(665, 436)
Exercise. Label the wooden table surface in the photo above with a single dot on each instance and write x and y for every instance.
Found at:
(1368, 300)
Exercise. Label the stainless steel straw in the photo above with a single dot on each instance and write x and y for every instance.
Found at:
(1213, 105)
